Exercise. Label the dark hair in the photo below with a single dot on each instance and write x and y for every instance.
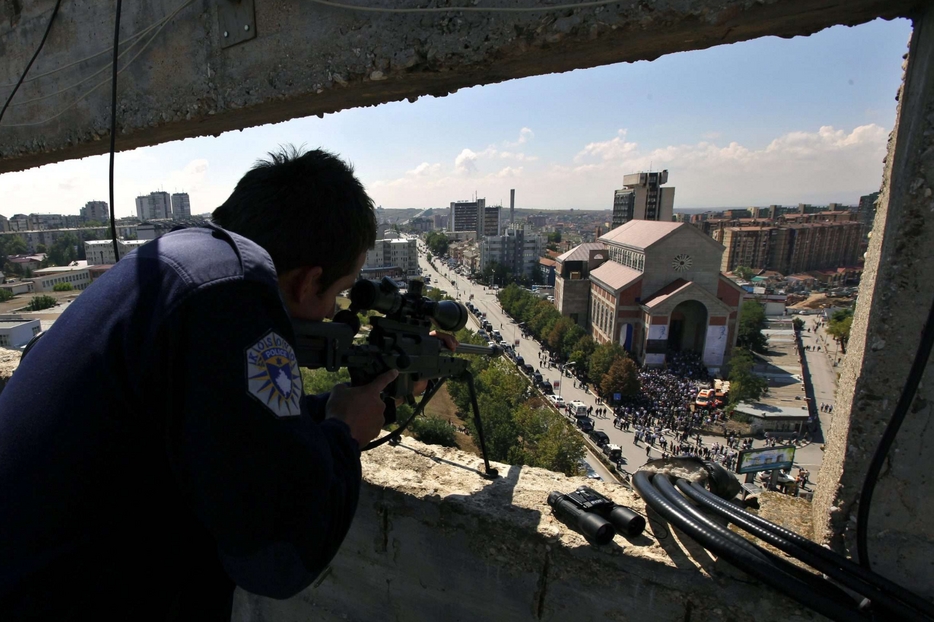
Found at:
(305, 209)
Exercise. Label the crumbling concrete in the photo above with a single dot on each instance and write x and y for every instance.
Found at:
(434, 540)
(896, 293)
(310, 59)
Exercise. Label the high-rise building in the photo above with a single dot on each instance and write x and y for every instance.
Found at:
(492, 221)
(790, 248)
(465, 215)
(399, 253)
(96, 210)
(154, 206)
(512, 206)
(181, 206)
(643, 198)
(866, 211)
(519, 249)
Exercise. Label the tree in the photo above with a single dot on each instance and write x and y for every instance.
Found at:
(433, 431)
(64, 250)
(41, 248)
(751, 323)
(839, 327)
(744, 272)
(798, 324)
(622, 378)
(603, 357)
(555, 237)
(437, 243)
(62, 287)
(745, 385)
(317, 381)
(5, 295)
(38, 303)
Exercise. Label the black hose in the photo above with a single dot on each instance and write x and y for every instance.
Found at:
(740, 557)
(888, 437)
(827, 562)
(797, 573)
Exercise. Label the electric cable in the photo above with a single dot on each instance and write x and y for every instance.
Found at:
(113, 129)
(888, 437)
(45, 36)
(471, 9)
(60, 68)
(740, 556)
(93, 89)
(830, 564)
(125, 51)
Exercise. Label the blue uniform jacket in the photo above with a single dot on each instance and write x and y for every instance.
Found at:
(155, 446)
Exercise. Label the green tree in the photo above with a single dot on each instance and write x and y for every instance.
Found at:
(62, 287)
(38, 303)
(798, 324)
(623, 378)
(64, 250)
(317, 381)
(745, 384)
(603, 357)
(437, 243)
(558, 332)
(751, 323)
(744, 272)
(546, 441)
(41, 248)
(14, 245)
(5, 295)
(433, 431)
(839, 327)
(555, 237)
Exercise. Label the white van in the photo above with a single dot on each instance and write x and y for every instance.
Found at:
(578, 408)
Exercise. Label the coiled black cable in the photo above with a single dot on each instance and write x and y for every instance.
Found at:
(835, 566)
(740, 557)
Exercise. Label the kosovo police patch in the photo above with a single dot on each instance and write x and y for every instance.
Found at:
(272, 375)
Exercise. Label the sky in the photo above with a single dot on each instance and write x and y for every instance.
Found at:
(769, 121)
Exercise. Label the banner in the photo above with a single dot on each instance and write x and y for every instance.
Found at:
(765, 459)
(715, 345)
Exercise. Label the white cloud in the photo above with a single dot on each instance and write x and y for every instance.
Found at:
(525, 135)
(608, 150)
(827, 164)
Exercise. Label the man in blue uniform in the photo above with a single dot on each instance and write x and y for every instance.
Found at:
(155, 445)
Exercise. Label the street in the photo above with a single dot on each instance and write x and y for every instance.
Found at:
(634, 455)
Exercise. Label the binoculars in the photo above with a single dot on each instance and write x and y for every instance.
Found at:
(595, 516)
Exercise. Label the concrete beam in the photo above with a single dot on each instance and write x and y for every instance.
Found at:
(308, 59)
(894, 298)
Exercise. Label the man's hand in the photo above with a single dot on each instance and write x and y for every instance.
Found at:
(361, 408)
(450, 342)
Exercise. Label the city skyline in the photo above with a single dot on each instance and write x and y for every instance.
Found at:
(763, 122)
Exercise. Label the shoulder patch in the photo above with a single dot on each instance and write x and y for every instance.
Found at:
(272, 375)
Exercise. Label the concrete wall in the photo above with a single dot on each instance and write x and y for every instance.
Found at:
(309, 59)
(433, 540)
(896, 293)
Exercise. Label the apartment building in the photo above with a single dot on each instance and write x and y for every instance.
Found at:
(643, 198)
(790, 248)
(519, 249)
(387, 253)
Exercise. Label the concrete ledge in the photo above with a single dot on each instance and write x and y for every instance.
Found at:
(308, 59)
(433, 540)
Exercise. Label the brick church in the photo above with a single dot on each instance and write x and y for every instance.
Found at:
(653, 287)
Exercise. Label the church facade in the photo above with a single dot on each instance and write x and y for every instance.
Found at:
(654, 288)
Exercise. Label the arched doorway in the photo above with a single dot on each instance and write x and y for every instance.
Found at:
(688, 327)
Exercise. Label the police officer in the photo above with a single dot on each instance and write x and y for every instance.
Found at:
(156, 447)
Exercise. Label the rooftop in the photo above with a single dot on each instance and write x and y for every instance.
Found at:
(581, 252)
(641, 233)
(615, 275)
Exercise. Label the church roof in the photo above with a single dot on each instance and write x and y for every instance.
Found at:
(641, 233)
(581, 252)
(614, 275)
(666, 292)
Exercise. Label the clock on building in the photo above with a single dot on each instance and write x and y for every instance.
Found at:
(682, 262)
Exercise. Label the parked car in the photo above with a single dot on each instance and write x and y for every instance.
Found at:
(528, 369)
(520, 361)
(557, 400)
(613, 452)
(599, 437)
(585, 423)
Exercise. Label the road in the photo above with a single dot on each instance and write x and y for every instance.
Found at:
(634, 455)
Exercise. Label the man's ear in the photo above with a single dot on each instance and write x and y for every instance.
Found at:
(308, 282)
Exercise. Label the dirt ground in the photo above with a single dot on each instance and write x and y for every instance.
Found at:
(441, 405)
(18, 302)
(820, 301)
